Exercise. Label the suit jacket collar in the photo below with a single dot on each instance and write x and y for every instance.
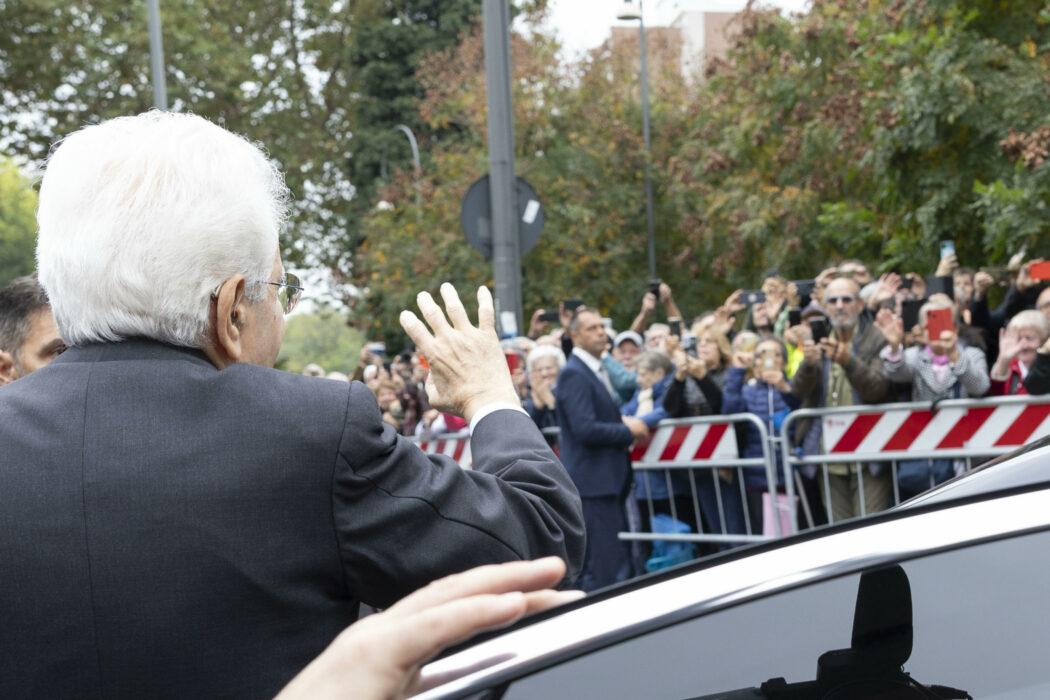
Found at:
(132, 349)
(590, 361)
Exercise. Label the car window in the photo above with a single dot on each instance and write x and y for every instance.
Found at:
(979, 623)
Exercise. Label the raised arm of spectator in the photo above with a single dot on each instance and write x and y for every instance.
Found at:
(667, 299)
(641, 321)
(537, 326)
(892, 355)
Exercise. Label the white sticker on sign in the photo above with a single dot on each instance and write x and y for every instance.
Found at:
(531, 210)
(508, 322)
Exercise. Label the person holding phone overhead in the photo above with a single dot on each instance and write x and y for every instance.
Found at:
(938, 367)
(841, 367)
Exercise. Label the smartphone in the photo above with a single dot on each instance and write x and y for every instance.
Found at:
(513, 360)
(752, 296)
(689, 344)
(938, 321)
(654, 287)
(947, 248)
(676, 328)
(1039, 271)
(572, 304)
(550, 316)
(794, 317)
(819, 327)
(940, 285)
(905, 282)
(805, 287)
(910, 313)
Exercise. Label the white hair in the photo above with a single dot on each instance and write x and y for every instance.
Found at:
(541, 351)
(142, 218)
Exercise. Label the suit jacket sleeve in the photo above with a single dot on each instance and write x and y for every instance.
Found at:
(1038, 379)
(576, 408)
(404, 518)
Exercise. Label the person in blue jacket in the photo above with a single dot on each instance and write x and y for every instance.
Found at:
(768, 396)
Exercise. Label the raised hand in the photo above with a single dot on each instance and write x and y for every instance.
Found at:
(467, 366)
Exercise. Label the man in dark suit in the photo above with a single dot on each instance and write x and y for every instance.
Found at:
(177, 518)
(594, 443)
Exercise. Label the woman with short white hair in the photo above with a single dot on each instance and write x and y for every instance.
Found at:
(1018, 344)
(542, 368)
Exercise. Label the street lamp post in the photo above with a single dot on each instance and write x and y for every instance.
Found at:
(628, 12)
(415, 161)
(156, 55)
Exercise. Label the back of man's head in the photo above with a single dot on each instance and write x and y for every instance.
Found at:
(142, 218)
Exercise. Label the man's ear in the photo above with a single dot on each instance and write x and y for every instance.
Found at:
(8, 373)
(229, 313)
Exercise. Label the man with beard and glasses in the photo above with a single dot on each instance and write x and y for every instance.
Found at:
(844, 369)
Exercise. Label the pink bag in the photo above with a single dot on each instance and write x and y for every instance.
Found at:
(783, 511)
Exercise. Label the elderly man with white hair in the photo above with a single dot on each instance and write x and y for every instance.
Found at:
(178, 518)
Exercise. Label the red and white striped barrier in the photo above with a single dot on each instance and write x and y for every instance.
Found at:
(683, 443)
(456, 446)
(950, 428)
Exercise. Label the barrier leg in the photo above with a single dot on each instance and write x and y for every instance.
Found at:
(860, 489)
(804, 500)
(743, 499)
(827, 494)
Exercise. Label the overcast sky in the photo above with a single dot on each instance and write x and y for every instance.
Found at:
(584, 24)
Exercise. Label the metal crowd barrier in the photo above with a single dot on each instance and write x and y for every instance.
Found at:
(699, 447)
(454, 445)
(969, 430)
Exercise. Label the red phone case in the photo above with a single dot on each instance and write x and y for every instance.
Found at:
(512, 360)
(1040, 271)
(938, 321)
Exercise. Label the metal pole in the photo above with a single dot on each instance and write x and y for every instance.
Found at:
(650, 222)
(156, 57)
(506, 257)
(415, 162)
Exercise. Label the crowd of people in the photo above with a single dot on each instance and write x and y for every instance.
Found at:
(841, 339)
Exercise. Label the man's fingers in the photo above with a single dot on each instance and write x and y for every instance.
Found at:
(433, 314)
(496, 578)
(536, 601)
(430, 630)
(486, 310)
(454, 307)
(415, 330)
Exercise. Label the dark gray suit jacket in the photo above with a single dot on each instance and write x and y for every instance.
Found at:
(170, 530)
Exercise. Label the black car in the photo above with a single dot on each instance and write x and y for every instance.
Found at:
(946, 596)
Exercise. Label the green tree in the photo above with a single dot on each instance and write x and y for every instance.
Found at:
(17, 223)
(321, 338)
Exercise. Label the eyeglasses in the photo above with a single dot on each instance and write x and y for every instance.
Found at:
(845, 299)
(288, 292)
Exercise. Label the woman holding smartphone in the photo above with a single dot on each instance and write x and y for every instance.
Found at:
(938, 367)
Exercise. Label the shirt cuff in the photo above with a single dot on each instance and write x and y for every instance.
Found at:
(492, 408)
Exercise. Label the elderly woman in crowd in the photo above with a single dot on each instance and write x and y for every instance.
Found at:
(1018, 345)
(542, 367)
(936, 368)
